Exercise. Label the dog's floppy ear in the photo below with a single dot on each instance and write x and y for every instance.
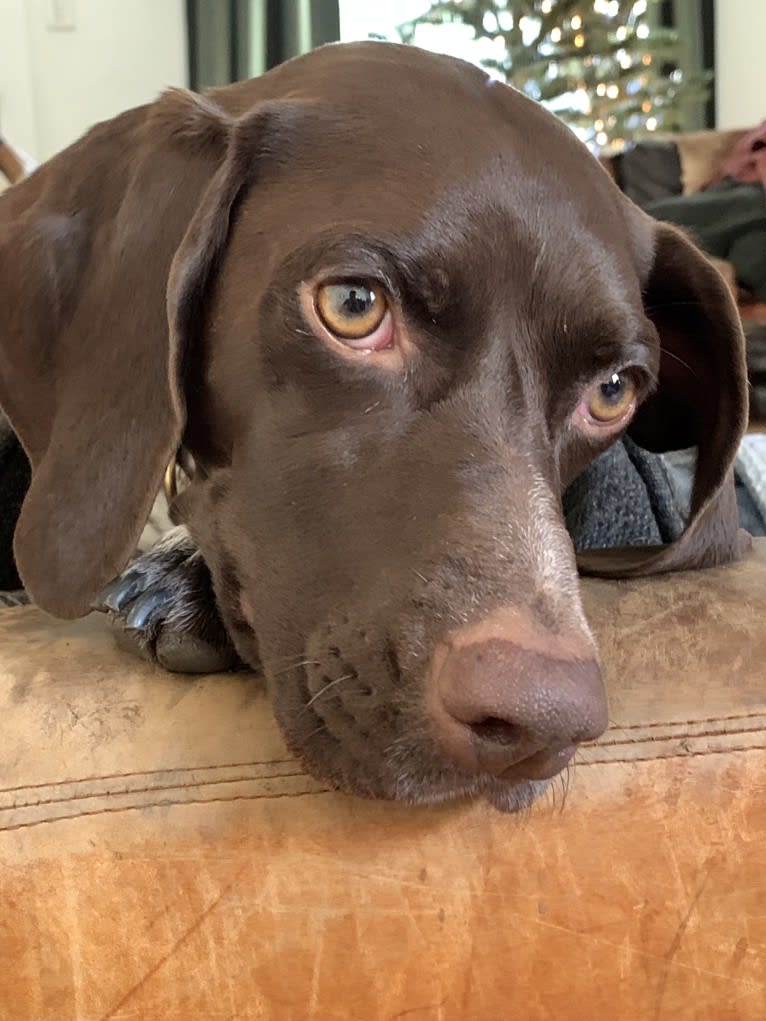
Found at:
(701, 400)
(87, 370)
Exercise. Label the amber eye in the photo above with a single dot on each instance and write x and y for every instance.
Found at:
(351, 309)
(611, 399)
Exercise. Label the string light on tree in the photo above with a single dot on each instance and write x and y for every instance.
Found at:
(593, 62)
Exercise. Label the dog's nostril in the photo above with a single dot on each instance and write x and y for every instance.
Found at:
(496, 700)
(498, 731)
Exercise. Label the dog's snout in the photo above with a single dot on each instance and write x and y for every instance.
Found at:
(507, 699)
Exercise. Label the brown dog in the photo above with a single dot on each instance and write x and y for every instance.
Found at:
(391, 308)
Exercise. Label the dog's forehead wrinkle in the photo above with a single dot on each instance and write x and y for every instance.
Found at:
(516, 246)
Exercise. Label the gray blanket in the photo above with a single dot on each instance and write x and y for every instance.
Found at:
(750, 471)
(629, 497)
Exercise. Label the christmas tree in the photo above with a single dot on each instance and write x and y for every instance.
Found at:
(606, 67)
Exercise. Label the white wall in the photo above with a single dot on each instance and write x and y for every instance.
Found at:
(740, 62)
(56, 83)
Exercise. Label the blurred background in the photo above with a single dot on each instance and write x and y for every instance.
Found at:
(615, 71)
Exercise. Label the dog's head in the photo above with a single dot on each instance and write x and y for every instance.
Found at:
(392, 308)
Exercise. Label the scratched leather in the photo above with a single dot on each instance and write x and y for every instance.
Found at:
(162, 857)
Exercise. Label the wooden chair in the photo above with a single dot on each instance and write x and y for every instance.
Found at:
(12, 164)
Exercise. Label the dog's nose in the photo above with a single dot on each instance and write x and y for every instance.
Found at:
(507, 698)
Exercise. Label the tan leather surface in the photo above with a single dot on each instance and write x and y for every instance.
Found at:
(162, 857)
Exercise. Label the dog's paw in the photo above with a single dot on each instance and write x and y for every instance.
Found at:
(162, 607)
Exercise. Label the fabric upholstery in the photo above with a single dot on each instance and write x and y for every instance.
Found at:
(649, 170)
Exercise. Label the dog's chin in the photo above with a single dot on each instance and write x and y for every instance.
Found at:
(408, 779)
(502, 795)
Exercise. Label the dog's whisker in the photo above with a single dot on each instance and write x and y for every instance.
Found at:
(295, 666)
(614, 727)
(292, 657)
(297, 659)
(566, 781)
(330, 684)
(672, 354)
(322, 726)
(673, 304)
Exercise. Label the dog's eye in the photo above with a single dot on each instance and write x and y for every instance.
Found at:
(607, 405)
(610, 399)
(355, 312)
